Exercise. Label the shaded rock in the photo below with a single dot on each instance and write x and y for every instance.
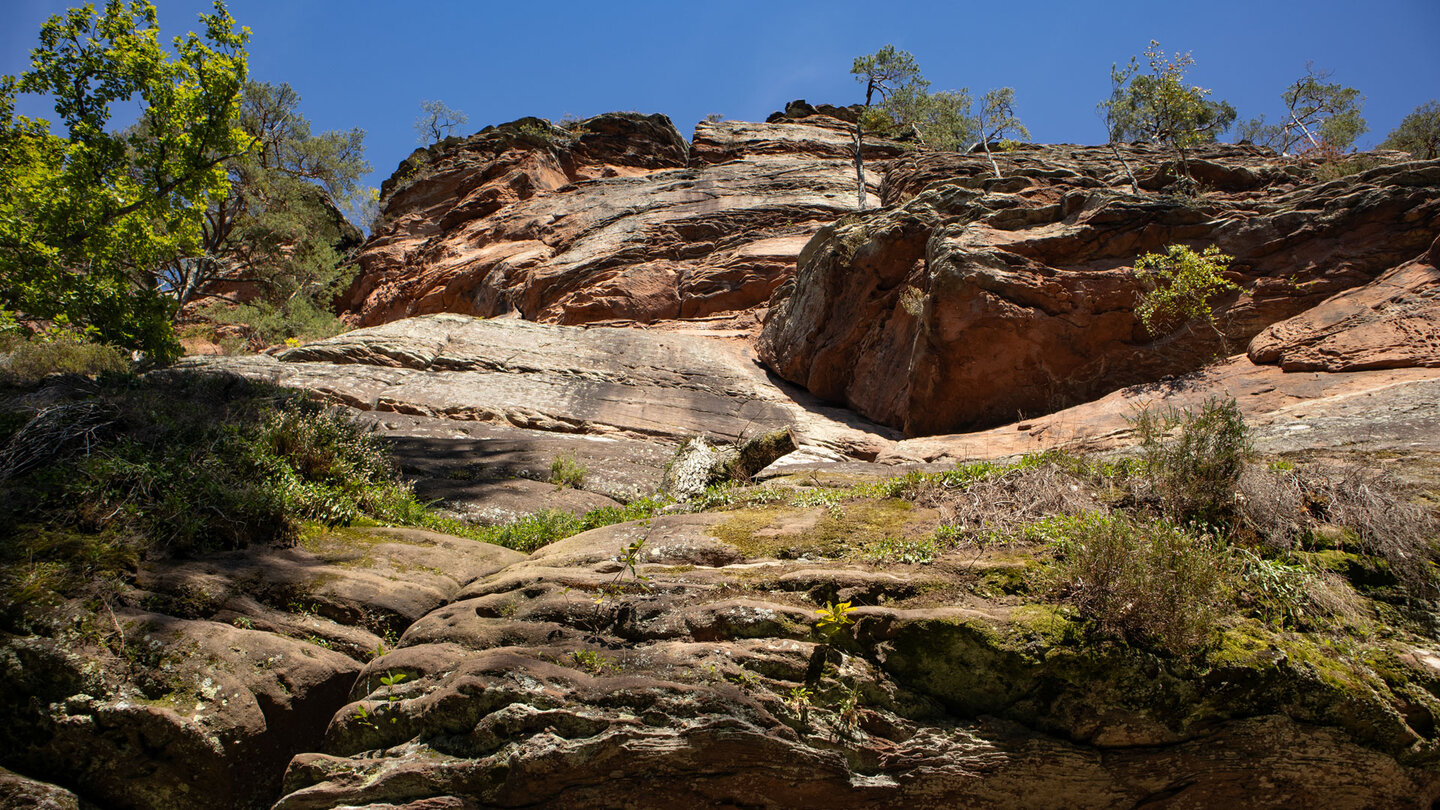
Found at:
(1392, 322)
(461, 461)
(19, 793)
(348, 576)
(211, 710)
(977, 299)
(198, 685)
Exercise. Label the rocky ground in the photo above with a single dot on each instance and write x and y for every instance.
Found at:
(697, 657)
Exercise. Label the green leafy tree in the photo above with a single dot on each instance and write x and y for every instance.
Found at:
(1418, 133)
(884, 73)
(279, 225)
(87, 216)
(1180, 285)
(937, 120)
(436, 121)
(997, 118)
(1317, 114)
(1158, 106)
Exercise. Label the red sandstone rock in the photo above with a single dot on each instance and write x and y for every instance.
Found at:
(1392, 322)
(979, 299)
(604, 223)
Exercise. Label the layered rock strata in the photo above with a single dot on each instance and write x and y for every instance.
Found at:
(613, 219)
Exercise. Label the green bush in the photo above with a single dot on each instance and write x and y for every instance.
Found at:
(565, 471)
(1179, 286)
(174, 464)
(26, 361)
(1149, 582)
(268, 324)
(1192, 459)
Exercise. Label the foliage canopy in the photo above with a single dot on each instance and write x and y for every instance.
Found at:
(885, 73)
(86, 217)
(1180, 284)
(436, 121)
(1317, 114)
(1418, 133)
(278, 234)
(1159, 106)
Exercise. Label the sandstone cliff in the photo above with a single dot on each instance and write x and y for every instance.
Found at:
(615, 219)
(680, 659)
(971, 301)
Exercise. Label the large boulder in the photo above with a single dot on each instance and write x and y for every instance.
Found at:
(979, 299)
(1392, 322)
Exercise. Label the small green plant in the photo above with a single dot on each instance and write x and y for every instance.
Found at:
(386, 710)
(566, 471)
(918, 550)
(1179, 287)
(593, 662)
(833, 617)
(544, 132)
(1193, 459)
(798, 700)
(848, 712)
(1276, 588)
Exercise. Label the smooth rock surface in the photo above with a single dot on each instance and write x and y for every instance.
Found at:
(600, 381)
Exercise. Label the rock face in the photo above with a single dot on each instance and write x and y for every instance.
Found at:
(680, 660)
(678, 690)
(599, 381)
(979, 298)
(614, 219)
(211, 674)
(1392, 322)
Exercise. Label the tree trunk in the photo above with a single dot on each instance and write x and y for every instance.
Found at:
(996, 166)
(859, 158)
(859, 170)
(1134, 184)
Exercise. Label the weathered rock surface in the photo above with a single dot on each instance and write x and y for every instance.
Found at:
(979, 298)
(600, 381)
(19, 793)
(605, 222)
(562, 681)
(1392, 322)
(202, 681)
(1379, 410)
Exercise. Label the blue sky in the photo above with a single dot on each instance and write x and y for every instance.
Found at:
(368, 63)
